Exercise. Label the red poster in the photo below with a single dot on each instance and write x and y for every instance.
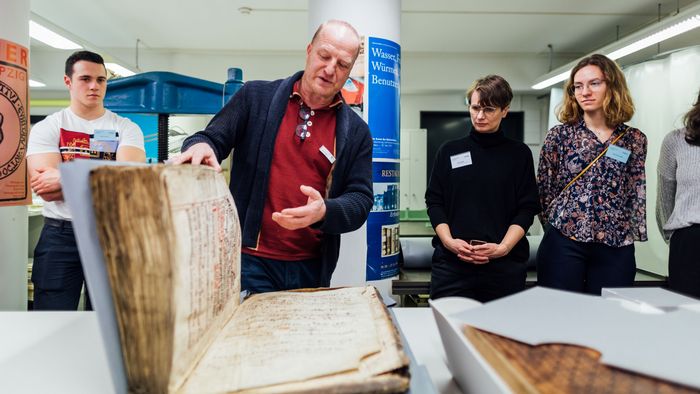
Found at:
(14, 124)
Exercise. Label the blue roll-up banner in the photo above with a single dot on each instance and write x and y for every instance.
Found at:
(383, 81)
(383, 223)
(383, 95)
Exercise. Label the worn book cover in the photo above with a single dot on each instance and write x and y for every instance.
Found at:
(552, 341)
(171, 240)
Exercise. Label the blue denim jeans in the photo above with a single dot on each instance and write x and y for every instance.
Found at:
(584, 267)
(262, 275)
(57, 273)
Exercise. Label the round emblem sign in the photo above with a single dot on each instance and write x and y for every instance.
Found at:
(12, 117)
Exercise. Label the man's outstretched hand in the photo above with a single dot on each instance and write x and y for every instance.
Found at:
(305, 215)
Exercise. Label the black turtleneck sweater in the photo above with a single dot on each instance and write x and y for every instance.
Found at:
(481, 200)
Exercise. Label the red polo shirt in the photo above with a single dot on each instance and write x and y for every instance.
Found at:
(295, 163)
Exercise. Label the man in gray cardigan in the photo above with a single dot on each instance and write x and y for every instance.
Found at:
(301, 168)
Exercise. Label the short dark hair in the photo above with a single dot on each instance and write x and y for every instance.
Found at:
(692, 124)
(88, 56)
(494, 91)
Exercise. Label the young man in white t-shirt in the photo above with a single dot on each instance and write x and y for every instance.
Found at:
(85, 130)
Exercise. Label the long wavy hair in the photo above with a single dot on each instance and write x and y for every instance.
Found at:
(617, 104)
(692, 124)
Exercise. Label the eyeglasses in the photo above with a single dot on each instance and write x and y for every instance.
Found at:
(303, 130)
(488, 111)
(594, 85)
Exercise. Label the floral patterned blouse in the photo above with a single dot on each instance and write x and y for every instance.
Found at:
(607, 204)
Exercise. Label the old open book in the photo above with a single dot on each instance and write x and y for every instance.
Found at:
(171, 239)
(552, 341)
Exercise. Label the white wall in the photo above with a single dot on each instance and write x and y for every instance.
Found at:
(420, 72)
(663, 91)
(413, 175)
(452, 72)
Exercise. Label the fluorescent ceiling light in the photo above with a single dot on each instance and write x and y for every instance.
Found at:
(680, 23)
(119, 70)
(36, 84)
(552, 80)
(48, 37)
(677, 29)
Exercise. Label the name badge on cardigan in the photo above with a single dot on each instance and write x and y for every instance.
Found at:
(617, 153)
(461, 160)
(327, 153)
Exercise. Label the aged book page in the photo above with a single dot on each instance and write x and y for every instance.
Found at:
(206, 265)
(171, 239)
(285, 337)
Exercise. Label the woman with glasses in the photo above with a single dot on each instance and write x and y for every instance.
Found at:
(592, 184)
(678, 203)
(481, 199)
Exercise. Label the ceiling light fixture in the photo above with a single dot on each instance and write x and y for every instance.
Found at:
(119, 70)
(552, 80)
(680, 23)
(36, 84)
(672, 31)
(49, 37)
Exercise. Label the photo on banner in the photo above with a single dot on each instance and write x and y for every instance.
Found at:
(383, 223)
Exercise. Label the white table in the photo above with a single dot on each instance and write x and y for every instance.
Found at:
(61, 352)
(419, 328)
(52, 352)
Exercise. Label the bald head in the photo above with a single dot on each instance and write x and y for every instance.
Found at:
(338, 29)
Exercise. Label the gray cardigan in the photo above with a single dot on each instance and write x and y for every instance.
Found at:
(678, 192)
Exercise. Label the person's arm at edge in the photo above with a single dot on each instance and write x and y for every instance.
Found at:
(666, 186)
(131, 146)
(131, 153)
(435, 193)
(44, 176)
(637, 198)
(546, 184)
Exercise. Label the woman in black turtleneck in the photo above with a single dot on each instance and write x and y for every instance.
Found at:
(482, 198)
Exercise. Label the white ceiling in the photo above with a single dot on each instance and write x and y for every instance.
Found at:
(446, 27)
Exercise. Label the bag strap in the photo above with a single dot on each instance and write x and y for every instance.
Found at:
(593, 162)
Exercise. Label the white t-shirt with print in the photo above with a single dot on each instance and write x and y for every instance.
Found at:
(71, 136)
